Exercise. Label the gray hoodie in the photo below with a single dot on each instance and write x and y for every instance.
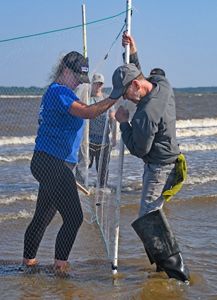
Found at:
(151, 135)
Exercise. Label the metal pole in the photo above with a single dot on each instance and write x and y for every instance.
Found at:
(121, 154)
(84, 31)
(85, 143)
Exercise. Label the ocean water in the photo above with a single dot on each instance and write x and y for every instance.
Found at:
(192, 215)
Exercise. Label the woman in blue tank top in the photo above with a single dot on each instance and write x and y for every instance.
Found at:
(58, 139)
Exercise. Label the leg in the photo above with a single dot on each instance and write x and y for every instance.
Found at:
(102, 162)
(45, 211)
(160, 242)
(68, 204)
(105, 165)
(43, 215)
(59, 191)
(156, 179)
(91, 155)
(81, 166)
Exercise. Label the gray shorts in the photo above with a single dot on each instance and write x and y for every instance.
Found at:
(156, 179)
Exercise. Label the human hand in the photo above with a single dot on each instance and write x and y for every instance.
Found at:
(122, 114)
(129, 40)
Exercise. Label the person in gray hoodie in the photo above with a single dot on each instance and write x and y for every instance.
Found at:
(151, 136)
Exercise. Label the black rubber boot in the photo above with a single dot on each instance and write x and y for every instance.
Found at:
(175, 268)
(160, 244)
(151, 259)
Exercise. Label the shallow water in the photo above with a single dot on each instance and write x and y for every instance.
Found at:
(192, 215)
(194, 223)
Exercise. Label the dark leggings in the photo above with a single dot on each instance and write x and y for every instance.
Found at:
(57, 192)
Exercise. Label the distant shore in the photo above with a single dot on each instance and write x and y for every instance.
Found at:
(38, 91)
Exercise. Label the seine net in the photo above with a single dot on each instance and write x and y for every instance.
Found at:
(58, 191)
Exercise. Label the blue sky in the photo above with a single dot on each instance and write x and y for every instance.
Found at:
(178, 36)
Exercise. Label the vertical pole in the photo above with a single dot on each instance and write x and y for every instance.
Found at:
(84, 31)
(128, 29)
(121, 154)
(85, 143)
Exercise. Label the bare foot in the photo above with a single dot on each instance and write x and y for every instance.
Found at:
(61, 266)
(30, 262)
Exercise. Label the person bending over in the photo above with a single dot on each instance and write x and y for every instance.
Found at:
(151, 136)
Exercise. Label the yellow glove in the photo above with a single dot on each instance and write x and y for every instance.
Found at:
(181, 175)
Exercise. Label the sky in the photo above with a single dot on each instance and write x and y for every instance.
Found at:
(178, 36)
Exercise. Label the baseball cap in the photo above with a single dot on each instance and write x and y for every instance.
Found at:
(78, 64)
(122, 76)
(97, 77)
(157, 71)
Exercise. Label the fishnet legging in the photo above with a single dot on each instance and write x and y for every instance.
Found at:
(57, 192)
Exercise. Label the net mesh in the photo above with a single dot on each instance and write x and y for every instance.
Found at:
(63, 206)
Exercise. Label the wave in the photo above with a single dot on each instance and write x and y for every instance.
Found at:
(191, 123)
(198, 147)
(180, 133)
(16, 140)
(22, 214)
(18, 96)
(135, 184)
(191, 180)
(183, 148)
(185, 128)
(115, 152)
(196, 132)
(10, 200)
(196, 127)
(13, 158)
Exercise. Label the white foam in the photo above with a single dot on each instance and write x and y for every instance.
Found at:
(183, 147)
(15, 140)
(16, 158)
(198, 147)
(200, 180)
(191, 132)
(206, 122)
(22, 214)
(196, 127)
(13, 199)
(18, 96)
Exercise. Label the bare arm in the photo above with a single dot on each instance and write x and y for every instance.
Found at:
(85, 111)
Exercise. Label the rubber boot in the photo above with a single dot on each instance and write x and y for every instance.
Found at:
(160, 244)
(151, 259)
